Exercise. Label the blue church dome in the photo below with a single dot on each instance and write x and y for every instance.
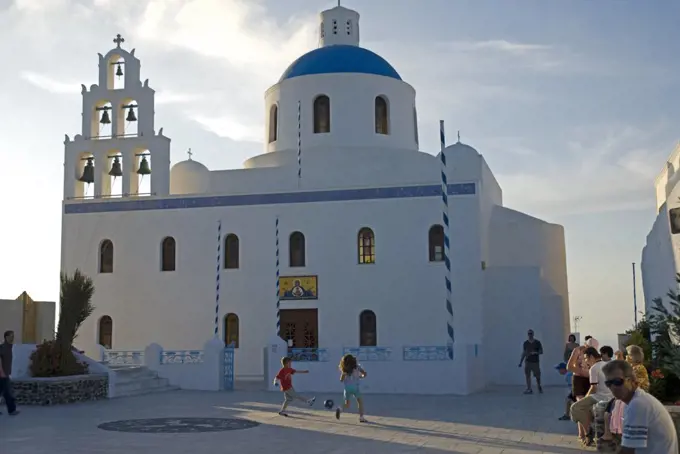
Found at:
(340, 59)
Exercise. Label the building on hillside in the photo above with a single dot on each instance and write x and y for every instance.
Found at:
(32, 321)
(341, 199)
(661, 253)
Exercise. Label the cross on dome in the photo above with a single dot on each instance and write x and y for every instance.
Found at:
(118, 40)
(189, 153)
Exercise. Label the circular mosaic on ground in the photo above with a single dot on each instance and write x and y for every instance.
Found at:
(177, 425)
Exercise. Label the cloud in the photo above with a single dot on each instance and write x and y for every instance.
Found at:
(48, 84)
(52, 85)
(605, 168)
(230, 128)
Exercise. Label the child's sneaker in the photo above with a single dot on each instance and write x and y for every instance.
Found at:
(311, 401)
(337, 413)
(283, 413)
(362, 419)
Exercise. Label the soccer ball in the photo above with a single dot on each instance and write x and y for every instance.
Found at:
(329, 404)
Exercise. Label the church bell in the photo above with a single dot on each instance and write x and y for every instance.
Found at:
(116, 169)
(88, 172)
(144, 168)
(119, 70)
(131, 114)
(105, 118)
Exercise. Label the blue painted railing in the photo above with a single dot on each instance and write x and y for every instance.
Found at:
(426, 353)
(123, 357)
(370, 353)
(308, 354)
(181, 357)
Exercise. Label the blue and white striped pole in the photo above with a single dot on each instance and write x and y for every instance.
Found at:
(299, 141)
(217, 281)
(278, 278)
(447, 260)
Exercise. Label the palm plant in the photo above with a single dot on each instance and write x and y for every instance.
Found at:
(75, 306)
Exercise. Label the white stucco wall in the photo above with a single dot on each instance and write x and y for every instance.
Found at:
(658, 265)
(176, 309)
(352, 119)
(661, 253)
(525, 288)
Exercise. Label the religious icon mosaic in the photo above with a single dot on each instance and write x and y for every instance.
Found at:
(298, 288)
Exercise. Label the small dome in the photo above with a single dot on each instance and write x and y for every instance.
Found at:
(340, 59)
(460, 147)
(189, 177)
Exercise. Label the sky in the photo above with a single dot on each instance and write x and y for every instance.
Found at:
(572, 104)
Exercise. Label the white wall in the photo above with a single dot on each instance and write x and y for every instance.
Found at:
(658, 265)
(147, 304)
(352, 98)
(525, 288)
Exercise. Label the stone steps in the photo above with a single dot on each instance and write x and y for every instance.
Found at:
(138, 380)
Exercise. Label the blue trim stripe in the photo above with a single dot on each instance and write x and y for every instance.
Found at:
(219, 266)
(342, 195)
(278, 282)
(447, 252)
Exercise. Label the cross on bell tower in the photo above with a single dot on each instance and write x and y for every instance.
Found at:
(118, 144)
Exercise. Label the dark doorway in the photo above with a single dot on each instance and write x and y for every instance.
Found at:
(301, 326)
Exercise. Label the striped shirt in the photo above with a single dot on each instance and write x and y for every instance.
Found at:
(647, 426)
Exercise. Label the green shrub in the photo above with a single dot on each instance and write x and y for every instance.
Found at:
(51, 359)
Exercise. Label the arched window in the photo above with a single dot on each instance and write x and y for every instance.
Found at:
(322, 114)
(381, 115)
(106, 257)
(273, 123)
(435, 240)
(366, 246)
(106, 332)
(231, 252)
(296, 249)
(368, 329)
(231, 330)
(168, 254)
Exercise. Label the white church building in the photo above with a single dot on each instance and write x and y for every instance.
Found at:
(335, 234)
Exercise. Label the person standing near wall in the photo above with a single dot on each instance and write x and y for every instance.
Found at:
(531, 351)
(6, 372)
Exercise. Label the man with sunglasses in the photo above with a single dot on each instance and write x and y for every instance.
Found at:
(647, 426)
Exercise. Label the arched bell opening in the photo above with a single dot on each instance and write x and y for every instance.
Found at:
(115, 76)
(84, 174)
(127, 118)
(101, 127)
(114, 175)
(142, 172)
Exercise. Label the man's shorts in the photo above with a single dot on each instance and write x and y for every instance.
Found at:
(532, 368)
(352, 391)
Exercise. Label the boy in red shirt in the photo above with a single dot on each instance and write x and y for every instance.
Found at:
(285, 379)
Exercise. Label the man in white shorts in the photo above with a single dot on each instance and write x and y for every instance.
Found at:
(647, 426)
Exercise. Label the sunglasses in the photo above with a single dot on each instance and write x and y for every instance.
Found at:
(614, 382)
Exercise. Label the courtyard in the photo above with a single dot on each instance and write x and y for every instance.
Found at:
(501, 420)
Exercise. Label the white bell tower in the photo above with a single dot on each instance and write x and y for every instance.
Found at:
(339, 25)
(118, 139)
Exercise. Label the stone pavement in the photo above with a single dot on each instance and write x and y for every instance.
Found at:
(497, 421)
